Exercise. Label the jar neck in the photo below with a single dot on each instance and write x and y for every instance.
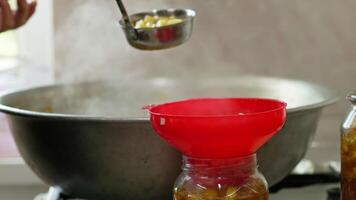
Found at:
(227, 167)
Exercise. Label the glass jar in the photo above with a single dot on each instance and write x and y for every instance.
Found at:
(220, 179)
(348, 153)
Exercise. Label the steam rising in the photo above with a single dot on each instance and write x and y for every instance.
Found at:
(91, 45)
(126, 99)
(230, 37)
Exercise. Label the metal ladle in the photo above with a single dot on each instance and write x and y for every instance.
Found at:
(159, 37)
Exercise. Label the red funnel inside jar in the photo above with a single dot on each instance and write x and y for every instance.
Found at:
(218, 127)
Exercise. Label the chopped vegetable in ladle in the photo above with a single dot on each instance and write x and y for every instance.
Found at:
(156, 21)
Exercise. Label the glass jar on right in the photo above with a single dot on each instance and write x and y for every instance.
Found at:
(348, 153)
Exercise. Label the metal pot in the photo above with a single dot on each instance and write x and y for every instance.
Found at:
(98, 144)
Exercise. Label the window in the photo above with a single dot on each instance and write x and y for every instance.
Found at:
(30, 48)
(8, 47)
(8, 50)
(8, 41)
(26, 59)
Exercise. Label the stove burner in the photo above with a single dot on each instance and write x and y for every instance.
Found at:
(54, 194)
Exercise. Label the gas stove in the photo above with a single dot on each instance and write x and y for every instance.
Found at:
(293, 187)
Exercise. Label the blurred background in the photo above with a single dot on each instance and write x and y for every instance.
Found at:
(306, 40)
(74, 40)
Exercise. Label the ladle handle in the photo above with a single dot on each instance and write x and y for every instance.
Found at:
(126, 19)
(123, 11)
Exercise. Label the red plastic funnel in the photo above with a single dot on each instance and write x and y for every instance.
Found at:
(218, 128)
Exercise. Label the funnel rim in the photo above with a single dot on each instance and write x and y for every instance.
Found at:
(240, 157)
(283, 106)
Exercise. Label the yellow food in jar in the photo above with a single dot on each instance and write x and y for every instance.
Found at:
(156, 21)
(231, 193)
(210, 194)
(253, 189)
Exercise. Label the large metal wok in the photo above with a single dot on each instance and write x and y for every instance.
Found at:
(98, 143)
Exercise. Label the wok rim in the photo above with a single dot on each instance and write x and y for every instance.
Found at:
(331, 98)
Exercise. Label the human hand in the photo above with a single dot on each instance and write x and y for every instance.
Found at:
(10, 19)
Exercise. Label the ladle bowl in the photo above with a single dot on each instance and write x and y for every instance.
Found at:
(160, 37)
(218, 127)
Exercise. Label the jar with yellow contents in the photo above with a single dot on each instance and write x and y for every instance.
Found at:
(348, 153)
(221, 179)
